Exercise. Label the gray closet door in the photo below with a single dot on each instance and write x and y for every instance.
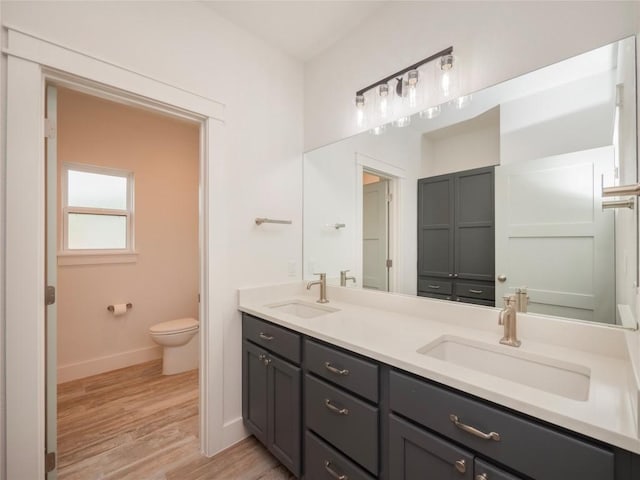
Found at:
(474, 225)
(435, 226)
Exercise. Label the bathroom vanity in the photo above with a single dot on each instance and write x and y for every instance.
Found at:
(391, 387)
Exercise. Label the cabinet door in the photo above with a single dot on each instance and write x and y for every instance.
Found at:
(284, 430)
(415, 454)
(485, 471)
(474, 225)
(435, 226)
(254, 390)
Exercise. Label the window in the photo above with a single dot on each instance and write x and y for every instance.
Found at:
(97, 210)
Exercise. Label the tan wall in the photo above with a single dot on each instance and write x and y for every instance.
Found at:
(163, 283)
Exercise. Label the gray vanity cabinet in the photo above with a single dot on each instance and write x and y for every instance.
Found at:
(271, 389)
(456, 236)
(365, 420)
(526, 446)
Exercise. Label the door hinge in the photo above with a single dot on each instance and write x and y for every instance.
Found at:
(389, 263)
(49, 128)
(49, 295)
(390, 197)
(49, 461)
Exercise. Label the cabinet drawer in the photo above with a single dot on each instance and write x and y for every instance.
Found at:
(490, 472)
(325, 463)
(350, 372)
(272, 337)
(349, 424)
(558, 456)
(435, 295)
(475, 290)
(432, 285)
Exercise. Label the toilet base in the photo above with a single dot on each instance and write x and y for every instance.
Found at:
(182, 358)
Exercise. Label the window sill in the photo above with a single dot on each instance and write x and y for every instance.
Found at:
(101, 257)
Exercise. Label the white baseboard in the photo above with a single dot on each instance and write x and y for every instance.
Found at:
(232, 432)
(94, 366)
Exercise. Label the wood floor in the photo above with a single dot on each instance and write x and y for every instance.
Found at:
(136, 424)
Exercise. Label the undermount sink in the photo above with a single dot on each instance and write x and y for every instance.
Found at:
(554, 376)
(301, 309)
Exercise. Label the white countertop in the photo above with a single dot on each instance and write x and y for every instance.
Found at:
(391, 328)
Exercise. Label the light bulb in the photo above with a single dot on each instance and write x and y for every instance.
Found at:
(412, 88)
(383, 100)
(448, 76)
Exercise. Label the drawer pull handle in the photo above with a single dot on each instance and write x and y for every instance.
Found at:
(435, 287)
(482, 476)
(471, 290)
(335, 370)
(334, 409)
(266, 337)
(332, 472)
(461, 466)
(474, 431)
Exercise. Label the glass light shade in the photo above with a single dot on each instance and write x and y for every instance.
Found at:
(448, 77)
(360, 110)
(462, 102)
(431, 112)
(383, 103)
(379, 130)
(402, 122)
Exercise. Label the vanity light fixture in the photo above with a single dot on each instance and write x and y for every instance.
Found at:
(407, 89)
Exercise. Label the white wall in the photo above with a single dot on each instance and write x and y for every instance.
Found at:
(330, 191)
(569, 118)
(494, 41)
(467, 145)
(189, 46)
(162, 284)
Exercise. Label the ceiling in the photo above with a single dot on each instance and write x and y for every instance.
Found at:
(303, 29)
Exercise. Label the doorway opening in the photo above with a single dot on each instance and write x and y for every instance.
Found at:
(376, 230)
(123, 229)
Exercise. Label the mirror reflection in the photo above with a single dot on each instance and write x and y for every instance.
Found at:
(497, 194)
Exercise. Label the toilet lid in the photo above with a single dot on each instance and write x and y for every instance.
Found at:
(175, 326)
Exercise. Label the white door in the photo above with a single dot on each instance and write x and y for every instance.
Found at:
(51, 276)
(553, 237)
(375, 235)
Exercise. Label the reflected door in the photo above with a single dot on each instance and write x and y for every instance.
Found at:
(553, 237)
(375, 235)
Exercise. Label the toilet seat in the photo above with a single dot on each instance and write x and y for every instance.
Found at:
(170, 327)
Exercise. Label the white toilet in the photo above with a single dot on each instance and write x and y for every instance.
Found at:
(180, 349)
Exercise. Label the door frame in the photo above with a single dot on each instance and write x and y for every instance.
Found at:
(32, 62)
(395, 176)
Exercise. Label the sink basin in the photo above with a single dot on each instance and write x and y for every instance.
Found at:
(554, 376)
(301, 309)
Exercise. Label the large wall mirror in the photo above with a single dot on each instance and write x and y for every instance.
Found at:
(496, 192)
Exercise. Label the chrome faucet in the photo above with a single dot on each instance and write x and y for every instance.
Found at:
(344, 278)
(507, 317)
(323, 287)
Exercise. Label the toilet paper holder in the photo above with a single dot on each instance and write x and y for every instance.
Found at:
(111, 308)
